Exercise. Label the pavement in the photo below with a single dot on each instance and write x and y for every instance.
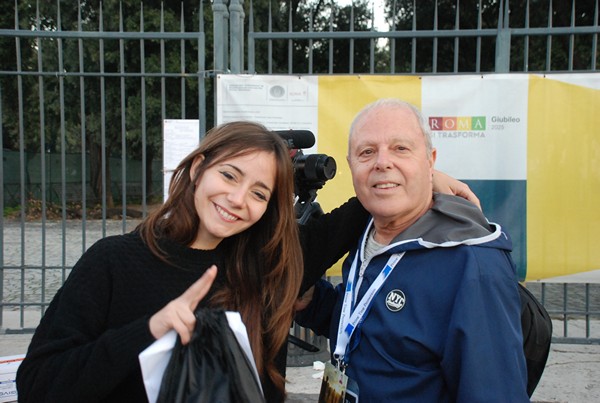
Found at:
(572, 374)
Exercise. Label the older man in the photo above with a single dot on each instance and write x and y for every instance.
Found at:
(429, 309)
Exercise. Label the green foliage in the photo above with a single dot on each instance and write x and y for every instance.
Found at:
(315, 16)
(11, 212)
(35, 209)
(87, 93)
(484, 14)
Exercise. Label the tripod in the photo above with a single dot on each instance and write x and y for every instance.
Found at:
(307, 208)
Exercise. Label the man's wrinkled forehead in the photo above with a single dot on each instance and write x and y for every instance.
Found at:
(405, 118)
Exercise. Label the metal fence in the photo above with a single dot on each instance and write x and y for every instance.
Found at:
(83, 94)
(441, 37)
(55, 178)
(574, 309)
(73, 80)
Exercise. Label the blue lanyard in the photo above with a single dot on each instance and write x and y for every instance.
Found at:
(352, 316)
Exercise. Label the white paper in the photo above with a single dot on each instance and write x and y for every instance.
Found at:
(180, 137)
(155, 358)
(280, 102)
(239, 330)
(8, 373)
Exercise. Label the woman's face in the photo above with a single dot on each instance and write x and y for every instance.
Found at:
(232, 195)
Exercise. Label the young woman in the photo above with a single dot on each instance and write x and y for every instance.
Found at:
(226, 237)
(229, 218)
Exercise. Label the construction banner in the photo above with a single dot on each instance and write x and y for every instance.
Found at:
(528, 145)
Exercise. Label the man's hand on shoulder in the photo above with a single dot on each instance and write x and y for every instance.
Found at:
(443, 183)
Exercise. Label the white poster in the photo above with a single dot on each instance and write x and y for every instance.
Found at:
(278, 102)
(586, 80)
(180, 137)
(479, 125)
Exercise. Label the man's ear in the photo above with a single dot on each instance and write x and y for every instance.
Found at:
(195, 166)
(432, 159)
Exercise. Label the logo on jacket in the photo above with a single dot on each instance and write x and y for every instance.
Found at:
(395, 300)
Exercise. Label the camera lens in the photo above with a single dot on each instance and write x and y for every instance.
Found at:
(315, 167)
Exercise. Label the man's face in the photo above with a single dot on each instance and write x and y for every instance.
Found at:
(391, 172)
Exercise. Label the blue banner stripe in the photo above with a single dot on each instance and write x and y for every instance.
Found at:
(505, 202)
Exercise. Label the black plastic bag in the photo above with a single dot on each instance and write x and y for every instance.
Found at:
(212, 367)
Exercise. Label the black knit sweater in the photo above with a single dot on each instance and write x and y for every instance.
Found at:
(86, 346)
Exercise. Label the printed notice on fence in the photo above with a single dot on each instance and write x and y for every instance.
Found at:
(278, 102)
(180, 137)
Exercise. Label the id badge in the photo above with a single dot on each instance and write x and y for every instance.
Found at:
(351, 391)
(336, 387)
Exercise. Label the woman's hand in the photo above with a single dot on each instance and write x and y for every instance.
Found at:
(179, 313)
(443, 183)
(305, 299)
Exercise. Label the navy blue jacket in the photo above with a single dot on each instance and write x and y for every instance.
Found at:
(457, 335)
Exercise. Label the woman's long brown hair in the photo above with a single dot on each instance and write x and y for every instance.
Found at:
(264, 269)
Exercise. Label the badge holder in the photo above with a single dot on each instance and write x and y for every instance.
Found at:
(336, 387)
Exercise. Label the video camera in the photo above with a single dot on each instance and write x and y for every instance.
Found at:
(311, 171)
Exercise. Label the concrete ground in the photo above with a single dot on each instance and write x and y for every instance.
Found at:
(572, 374)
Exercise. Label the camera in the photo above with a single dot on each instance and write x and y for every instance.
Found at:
(311, 171)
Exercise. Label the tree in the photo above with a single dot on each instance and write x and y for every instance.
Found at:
(468, 13)
(117, 102)
(317, 16)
